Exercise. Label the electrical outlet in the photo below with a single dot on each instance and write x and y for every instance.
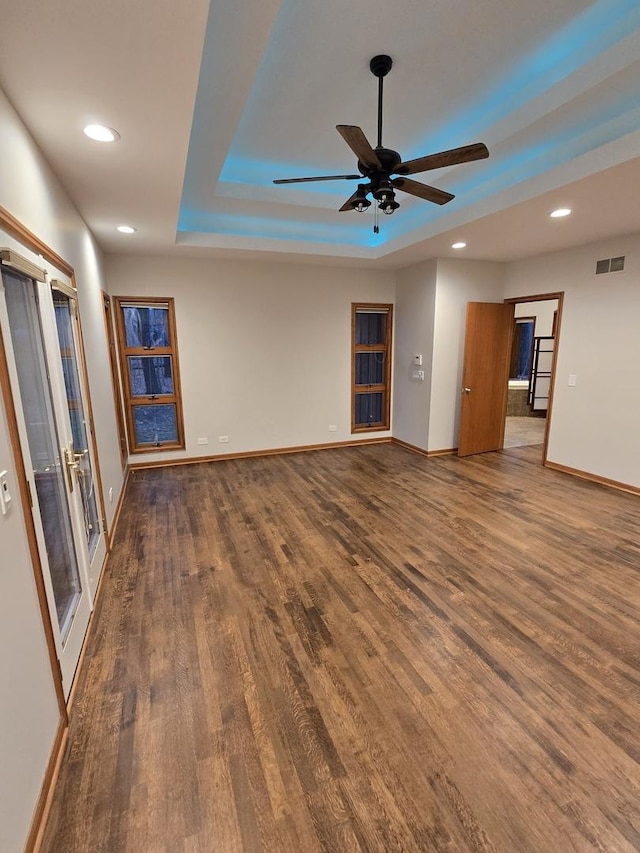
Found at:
(332, 428)
(223, 439)
(203, 441)
(5, 495)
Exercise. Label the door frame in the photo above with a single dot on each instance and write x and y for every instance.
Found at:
(546, 297)
(69, 637)
(29, 241)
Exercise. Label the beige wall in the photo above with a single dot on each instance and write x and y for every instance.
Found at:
(458, 282)
(594, 423)
(28, 709)
(265, 349)
(542, 311)
(415, 316)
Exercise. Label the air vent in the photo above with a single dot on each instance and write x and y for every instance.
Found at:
(610, 265)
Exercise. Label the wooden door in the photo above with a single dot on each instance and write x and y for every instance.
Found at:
(485, 376)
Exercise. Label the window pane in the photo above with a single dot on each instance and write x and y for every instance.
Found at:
(369, 408)
(146, 326)
(155, 424)
(369, 368)
(370, 328)
(150, 375)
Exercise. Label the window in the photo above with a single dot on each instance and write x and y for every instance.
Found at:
(371, 327)
(149, 370)
(522, 348)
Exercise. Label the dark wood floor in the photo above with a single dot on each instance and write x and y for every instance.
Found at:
(361, 649)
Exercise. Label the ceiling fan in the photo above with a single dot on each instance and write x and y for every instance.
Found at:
(378, 165)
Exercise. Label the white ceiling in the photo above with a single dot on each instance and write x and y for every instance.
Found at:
(212, 103)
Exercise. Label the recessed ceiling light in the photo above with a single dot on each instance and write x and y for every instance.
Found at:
(126, 229)
(101, 133)
(459, 245)
(560, 212)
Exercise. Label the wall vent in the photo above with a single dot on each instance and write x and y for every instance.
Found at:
(609, 265)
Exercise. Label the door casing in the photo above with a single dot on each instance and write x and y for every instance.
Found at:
(505, 345)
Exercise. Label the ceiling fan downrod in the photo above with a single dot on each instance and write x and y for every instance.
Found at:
(380, 66)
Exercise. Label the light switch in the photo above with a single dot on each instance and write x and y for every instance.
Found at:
(5, 495)
(418, 374)
(417, 359)
(572, 379)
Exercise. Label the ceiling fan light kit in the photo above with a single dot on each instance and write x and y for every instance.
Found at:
(360, 202)
(378, 165)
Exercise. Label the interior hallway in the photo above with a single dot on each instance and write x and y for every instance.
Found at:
(360, 649)
(524, 431)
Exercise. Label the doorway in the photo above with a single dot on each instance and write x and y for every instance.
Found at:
(529, 388)
(489, 333)
(39, 322)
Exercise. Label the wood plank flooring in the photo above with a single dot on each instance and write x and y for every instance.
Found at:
(361, 649)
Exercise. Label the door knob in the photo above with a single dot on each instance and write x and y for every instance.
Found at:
(466, 390)
(71, 465)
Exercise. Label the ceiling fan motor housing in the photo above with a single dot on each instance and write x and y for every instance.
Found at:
(389, 160)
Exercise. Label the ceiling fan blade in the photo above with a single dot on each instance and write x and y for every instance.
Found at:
(422, 190)
(359, 144)
(318, 178)
(477, 151)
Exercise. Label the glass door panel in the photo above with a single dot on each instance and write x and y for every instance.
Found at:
(82, 458)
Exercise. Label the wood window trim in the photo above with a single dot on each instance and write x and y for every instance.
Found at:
(386, 348)
(124, 352)
(115, 379)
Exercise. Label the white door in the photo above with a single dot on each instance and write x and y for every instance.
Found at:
(62, 504)
(61, 331)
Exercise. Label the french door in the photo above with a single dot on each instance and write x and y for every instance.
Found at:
(41, 338)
